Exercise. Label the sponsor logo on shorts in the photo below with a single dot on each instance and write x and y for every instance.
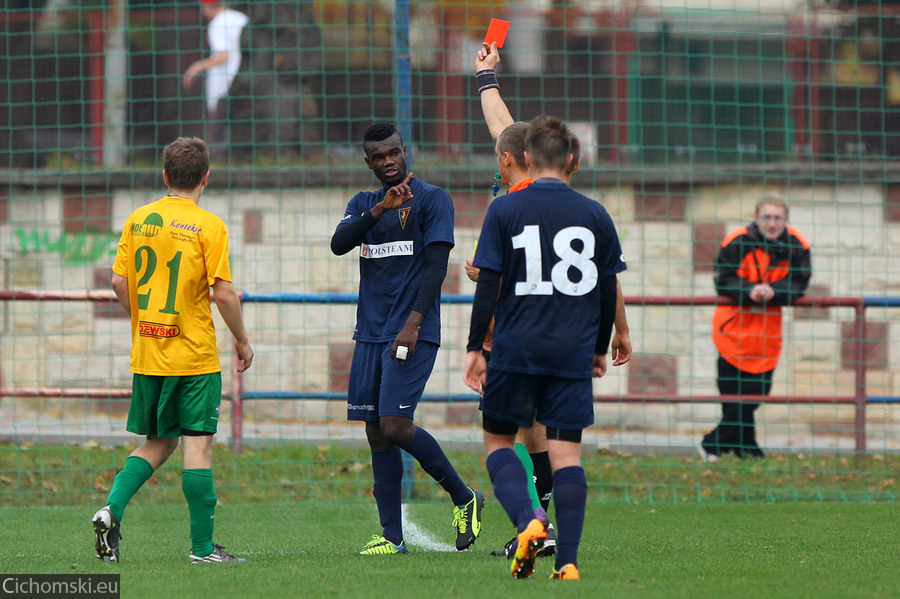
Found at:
(365, 408)
(386, 250)
(157, 330)
(404, 407)
(151, 226)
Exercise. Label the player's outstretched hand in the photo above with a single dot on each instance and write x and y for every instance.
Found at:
(398, 194)
(475, 371)
(488, 57)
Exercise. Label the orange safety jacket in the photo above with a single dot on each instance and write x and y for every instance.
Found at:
(748, 334)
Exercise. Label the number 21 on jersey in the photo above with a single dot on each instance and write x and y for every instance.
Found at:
(529, 240)
(146, 253)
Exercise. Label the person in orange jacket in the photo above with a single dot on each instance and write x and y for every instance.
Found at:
(761, 267)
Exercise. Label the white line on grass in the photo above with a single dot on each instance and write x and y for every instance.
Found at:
(417, 537)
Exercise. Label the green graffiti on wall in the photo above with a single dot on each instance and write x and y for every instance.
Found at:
(83, 247)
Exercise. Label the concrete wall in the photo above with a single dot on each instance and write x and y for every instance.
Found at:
(670, 234)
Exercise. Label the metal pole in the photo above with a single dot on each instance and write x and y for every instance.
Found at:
(115, 152)
(237, 405)
(403, 82)
(861, 368)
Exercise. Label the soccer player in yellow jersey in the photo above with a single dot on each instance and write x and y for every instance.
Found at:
(171, 252)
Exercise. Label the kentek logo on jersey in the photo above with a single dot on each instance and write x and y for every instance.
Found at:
(403, 213)
(185, 227)
(386, 250)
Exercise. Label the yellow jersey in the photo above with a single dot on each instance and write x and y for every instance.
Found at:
(172, 251)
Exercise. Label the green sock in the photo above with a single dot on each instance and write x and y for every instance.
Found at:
(136, 472)
(200, 493)
(525, 458)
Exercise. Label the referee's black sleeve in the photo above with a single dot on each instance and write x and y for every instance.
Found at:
(486, 293)
(607, 313)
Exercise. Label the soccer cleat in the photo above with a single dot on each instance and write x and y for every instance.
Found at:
(381, 546)
(567, 572)
(106, 527)
(549, 548)
(705, 455)
(530, 542)
(218, 555)
(509, 549)
(467, 520)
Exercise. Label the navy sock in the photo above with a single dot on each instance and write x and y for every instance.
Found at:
(431, 457)
(387, 470)
(543, 477)
(511, 486)
(570, 497)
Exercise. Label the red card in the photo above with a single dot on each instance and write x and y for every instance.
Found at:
(496, 32)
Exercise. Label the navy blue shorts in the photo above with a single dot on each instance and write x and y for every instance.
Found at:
(380, 386)
(563, 403)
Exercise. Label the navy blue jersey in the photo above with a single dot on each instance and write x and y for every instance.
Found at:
(551, 245)
(392, 263)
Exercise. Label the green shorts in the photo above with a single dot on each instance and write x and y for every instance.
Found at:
(164, 406)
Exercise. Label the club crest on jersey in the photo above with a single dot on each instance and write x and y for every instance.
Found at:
(403, 213)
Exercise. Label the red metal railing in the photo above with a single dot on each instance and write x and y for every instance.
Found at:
(237, 395)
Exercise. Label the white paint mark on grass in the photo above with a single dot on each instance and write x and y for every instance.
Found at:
(414, 536)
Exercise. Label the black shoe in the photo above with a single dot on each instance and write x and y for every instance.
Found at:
(507, 550)
(549, 548)
(707, 454)
(219, 555)
(754, 452)
(467, 520)
(106, 527)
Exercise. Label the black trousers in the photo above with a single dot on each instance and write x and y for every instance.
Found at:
(736, 431)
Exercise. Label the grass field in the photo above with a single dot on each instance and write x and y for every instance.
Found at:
(82, 475)
(822, 550)
(657, 526)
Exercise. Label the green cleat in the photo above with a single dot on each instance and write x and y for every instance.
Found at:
(467, 520)
(381, 546)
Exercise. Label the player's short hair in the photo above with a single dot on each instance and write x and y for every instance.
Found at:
(548, 142)
(772, 199)
(575, 151)
(380, 131)
(186, 161)
(512, 140)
